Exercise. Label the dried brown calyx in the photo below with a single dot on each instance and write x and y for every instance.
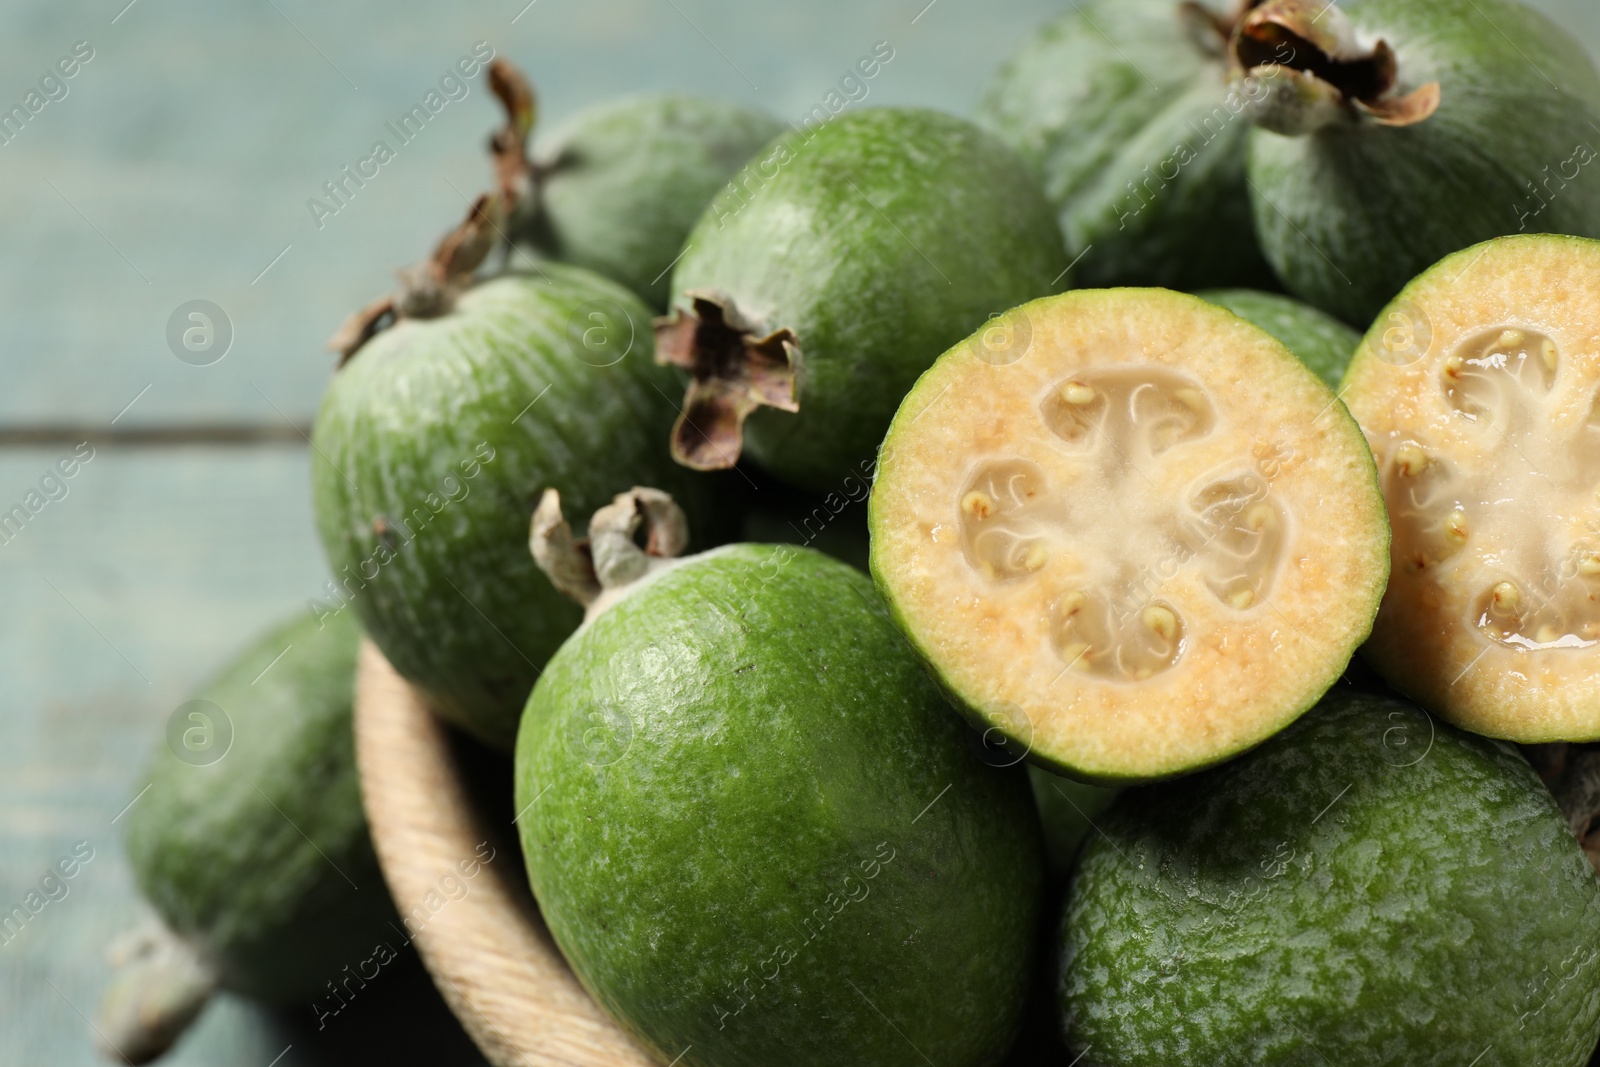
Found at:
(428, 289)
(736, 365)
(516, 175)
(1314, 72)
(1572, 773)
(639, 531)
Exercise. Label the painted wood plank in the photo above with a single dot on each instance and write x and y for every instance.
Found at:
(180, 164)
(124, 594)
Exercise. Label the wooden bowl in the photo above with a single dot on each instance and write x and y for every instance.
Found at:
(489, 952)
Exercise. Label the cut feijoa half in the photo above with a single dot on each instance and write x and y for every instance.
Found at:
(1479, 390)
(1129, 530)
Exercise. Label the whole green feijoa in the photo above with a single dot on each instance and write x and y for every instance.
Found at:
(250, 842)
(1125, 109)
(1322, 342)
(623, 184)
(1371, 886)
(1443, 123)
(431, 446)
(753, 825)
(848, 255)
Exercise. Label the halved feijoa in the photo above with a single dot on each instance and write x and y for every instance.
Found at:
(1479, 390)
(1129, 530)
(1370, 887)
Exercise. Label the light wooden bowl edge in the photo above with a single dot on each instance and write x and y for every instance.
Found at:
(487, 949)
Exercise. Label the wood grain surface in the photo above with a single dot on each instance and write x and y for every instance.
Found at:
(490, 954)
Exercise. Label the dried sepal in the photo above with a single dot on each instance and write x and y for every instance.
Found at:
(611, 557)
(515, 174)
(565, 560)
(735, 368)
(1316, 71)
(361, 327)
(429, 288)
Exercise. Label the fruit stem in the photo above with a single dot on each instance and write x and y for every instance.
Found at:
(1313, 72)
(736, 367)
(428, 289)
(518, 177)
(160, 986)
(611, 557)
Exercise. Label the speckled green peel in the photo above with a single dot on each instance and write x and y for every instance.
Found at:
(623, 184)
(1321, 341)
(1371, 886)
(431, 447)
(259, 861)
(1350, 209)
(760, 836)
(1126, 111)
(814, 291)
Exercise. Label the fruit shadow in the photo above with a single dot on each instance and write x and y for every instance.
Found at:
(399, 1017)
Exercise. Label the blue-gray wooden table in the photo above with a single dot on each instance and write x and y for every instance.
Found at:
(178, 163)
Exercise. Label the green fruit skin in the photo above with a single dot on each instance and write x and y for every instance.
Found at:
(754, 827)
(630, 177)
(1140, 143)
(454, 599)
(1321, 341)
(1351, 213)
(1067, 811)
(880, 238)
(1370, 886)
(261, 859)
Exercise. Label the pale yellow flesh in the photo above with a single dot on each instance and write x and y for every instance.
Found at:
(1150, 542)
(1477, 391)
